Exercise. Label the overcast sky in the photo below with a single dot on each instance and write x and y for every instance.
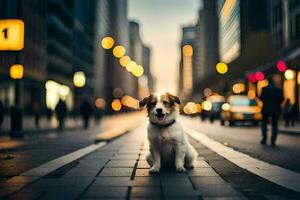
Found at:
(160, 26)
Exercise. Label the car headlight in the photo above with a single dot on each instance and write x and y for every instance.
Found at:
(226, 107)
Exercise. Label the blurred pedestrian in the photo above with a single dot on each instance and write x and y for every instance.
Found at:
(36, 111)
(49, 113)
(86, 111)
(287, 112)
(294, 113)
(61, 111)
(271, 97)
(1, 114)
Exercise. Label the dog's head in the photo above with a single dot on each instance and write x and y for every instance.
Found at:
(161, 107)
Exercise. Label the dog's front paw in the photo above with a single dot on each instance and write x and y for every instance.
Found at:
(154, 169)
(180, 169)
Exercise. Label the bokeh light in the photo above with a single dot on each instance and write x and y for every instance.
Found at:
(190, 108)
(206, 105)
(118, 92)
(131, 66)
(138, 71)
(251, 78)
(124, 61)
(107, 42)
(16, 71)
(238, 88)
(281, 66)
(207, 92)
(79, 79)
(130, 102)
(100, 103)
(226, 107)
(221, 68)
(251, 94)
(116, 105)
(289, 74)
(259, 76)
(119, 51)
(187, 50)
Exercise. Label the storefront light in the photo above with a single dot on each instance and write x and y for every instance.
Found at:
(289, 74)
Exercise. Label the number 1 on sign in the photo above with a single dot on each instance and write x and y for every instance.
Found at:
(5, 31)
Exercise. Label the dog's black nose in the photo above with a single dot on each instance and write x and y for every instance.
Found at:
(158, 110)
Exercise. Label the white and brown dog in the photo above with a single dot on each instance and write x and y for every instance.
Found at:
(169, 146)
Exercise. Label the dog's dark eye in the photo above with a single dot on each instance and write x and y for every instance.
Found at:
(152, 103)
(165, 102)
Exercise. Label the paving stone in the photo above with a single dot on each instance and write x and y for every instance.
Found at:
(125, 157)
(106, 191)
(121, 163)
(207, 180)
(144, 172)
(202, 172)
(143, 165)
(180, 191)
(112, 181)
(146, 181)
(201, 164)
(153, 192)
(116, 172)
(219, 191)
(176, 181)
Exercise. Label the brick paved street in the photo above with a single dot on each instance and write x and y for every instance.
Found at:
(118, 170)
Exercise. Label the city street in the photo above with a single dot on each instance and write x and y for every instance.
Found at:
(68, 165)
(149, 99)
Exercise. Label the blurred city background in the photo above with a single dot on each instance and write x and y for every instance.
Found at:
(72, 73)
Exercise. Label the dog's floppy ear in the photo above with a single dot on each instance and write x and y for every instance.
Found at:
(143, 102)
(174, 98)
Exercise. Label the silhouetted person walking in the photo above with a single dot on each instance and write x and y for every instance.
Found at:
(48, 113)
(61, 111)
(287, 112)
(271, 98)
(294, 114)
(1, 114)
(36, 110)
(86, 111)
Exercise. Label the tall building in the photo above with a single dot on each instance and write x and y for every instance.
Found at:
(241, 33)
(136, 53)
(32, 57)
(285, 28)
(60, 39)
(186, 61)
(83, 46)
(147, 66)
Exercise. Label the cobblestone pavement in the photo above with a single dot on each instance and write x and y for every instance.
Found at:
(118, 170)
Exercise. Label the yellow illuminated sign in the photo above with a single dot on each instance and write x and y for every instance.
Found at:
(11, 34)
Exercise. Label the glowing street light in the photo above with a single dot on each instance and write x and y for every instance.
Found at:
(187, 50)
(289, 74)
(16, 71)
(79, 79)
(124, 61)
(116, 105)
(119, 51)
(107, 42)
(221, 68)
(281, 66)
(138, 71)
(131, 66)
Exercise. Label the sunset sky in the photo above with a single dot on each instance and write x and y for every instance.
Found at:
(160, 24)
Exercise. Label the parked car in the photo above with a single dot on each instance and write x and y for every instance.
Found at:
(216, 106)
(239, 108)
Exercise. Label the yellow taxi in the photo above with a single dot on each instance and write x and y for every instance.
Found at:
(239, 108)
